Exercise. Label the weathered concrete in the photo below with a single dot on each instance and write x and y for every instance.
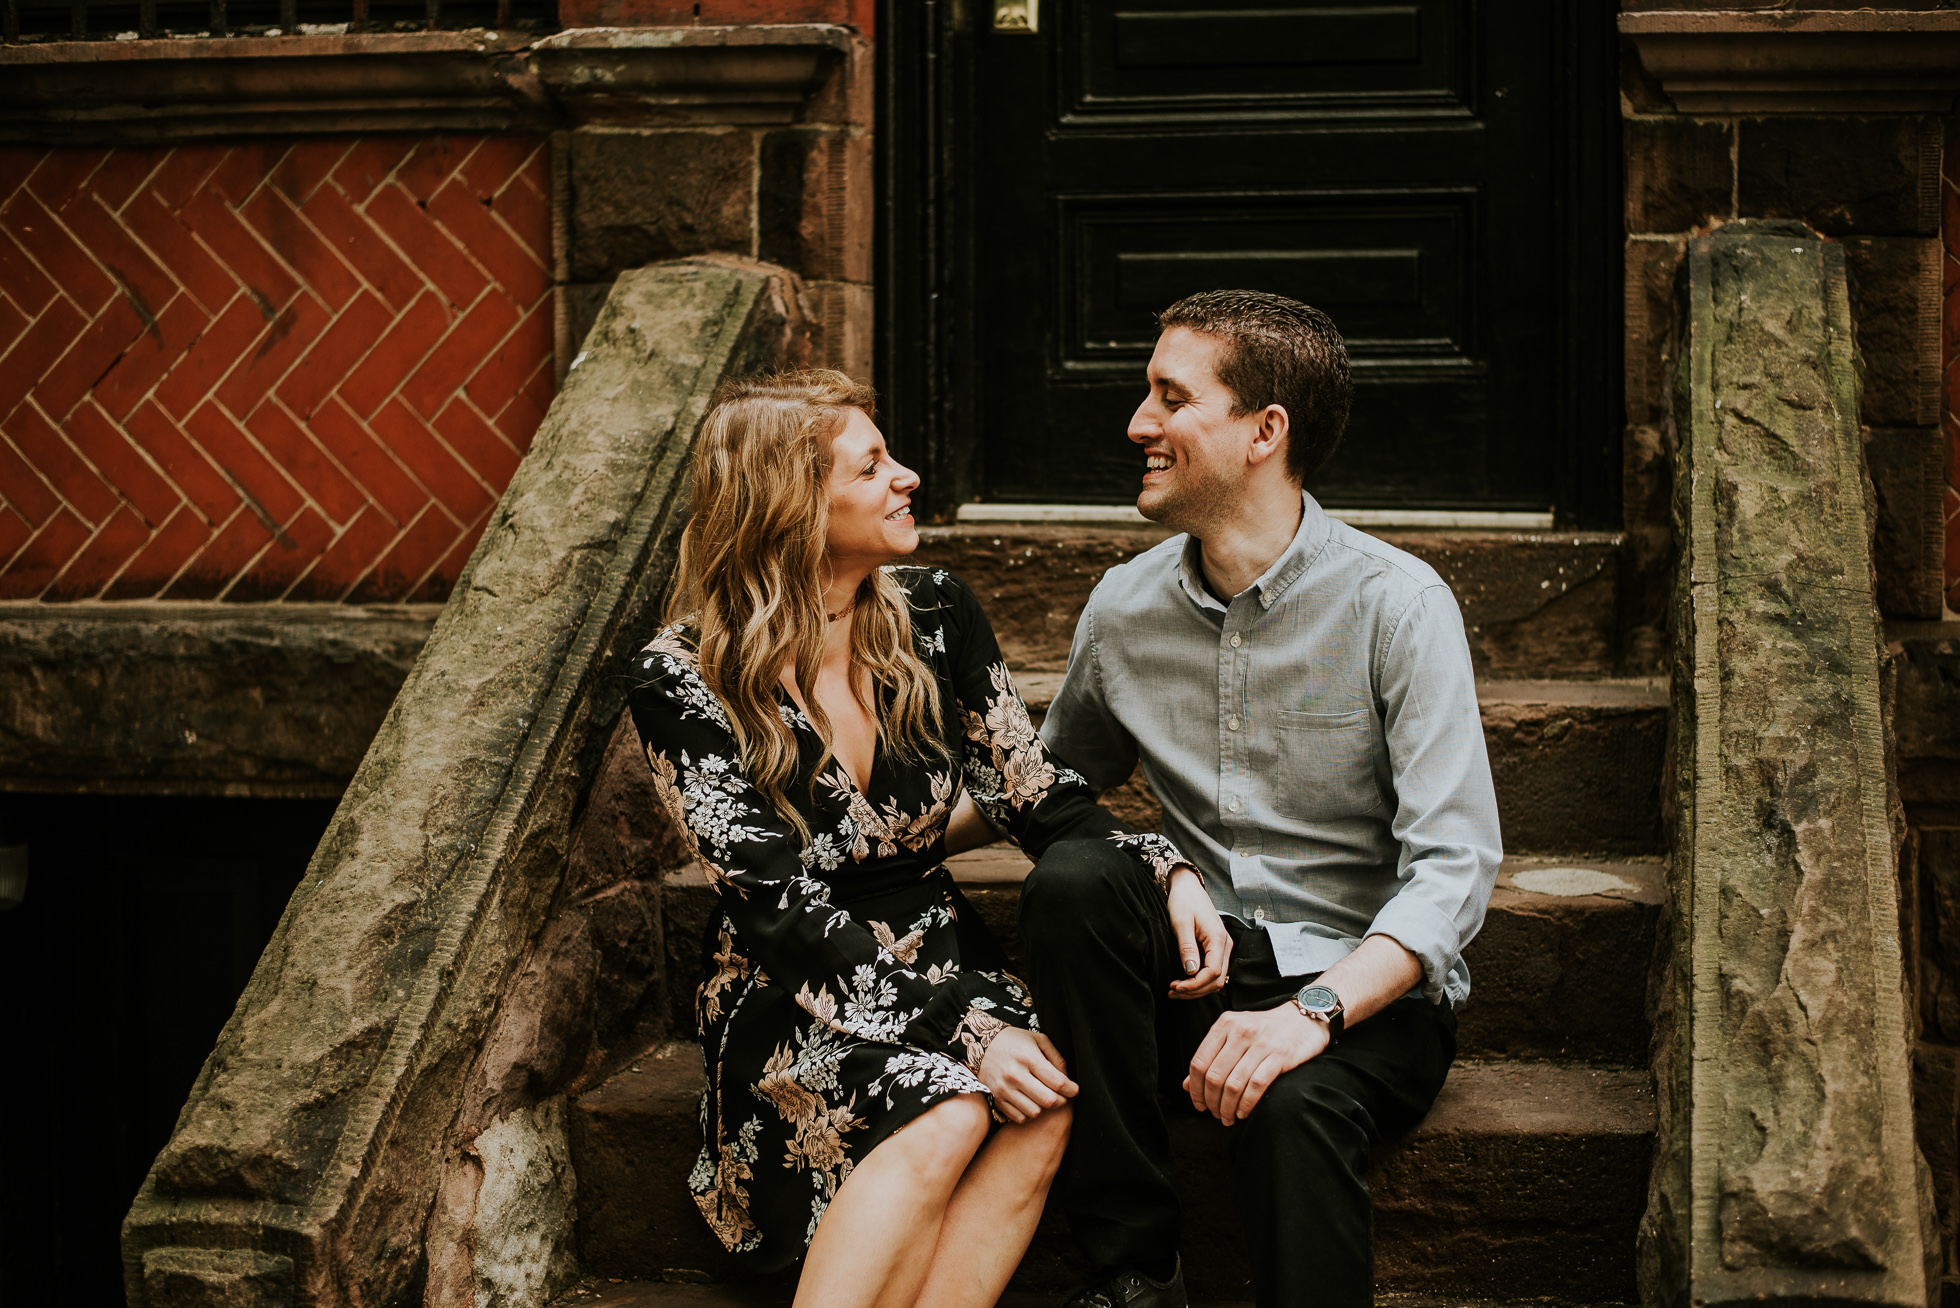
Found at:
(1787, 1167)
(320, 1126)
(178, 699)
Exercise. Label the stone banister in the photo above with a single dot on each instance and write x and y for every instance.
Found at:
(1786, 1167)
(306, 1165)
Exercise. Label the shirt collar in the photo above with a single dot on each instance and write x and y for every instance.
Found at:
(1276, 580)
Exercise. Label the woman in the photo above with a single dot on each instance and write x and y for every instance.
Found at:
(810, 718)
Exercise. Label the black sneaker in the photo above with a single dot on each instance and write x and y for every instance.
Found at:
(1132, 1289)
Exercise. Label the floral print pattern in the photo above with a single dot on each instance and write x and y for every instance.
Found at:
(846, 987)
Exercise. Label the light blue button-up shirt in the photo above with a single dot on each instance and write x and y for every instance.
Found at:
(1315, 742)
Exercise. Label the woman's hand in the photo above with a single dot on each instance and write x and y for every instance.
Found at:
(1203, 944)
(1025, 1074)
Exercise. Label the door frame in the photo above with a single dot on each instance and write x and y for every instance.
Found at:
(925, 255)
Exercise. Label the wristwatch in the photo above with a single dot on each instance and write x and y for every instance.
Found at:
(1322, 1005)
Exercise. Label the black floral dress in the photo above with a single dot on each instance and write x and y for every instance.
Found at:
(847, 988)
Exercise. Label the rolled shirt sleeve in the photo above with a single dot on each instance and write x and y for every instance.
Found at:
(1445, 811)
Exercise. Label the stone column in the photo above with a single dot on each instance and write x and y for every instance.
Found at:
(1787, 1169)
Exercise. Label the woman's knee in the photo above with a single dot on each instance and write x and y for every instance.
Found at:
(947, 1135)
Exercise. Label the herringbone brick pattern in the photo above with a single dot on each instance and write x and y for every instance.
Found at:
(301, 370)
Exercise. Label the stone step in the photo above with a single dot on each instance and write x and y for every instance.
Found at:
(1576, 764)
(1535, 604)
(1558, 971)
(616, 1292)
(1527, 1179)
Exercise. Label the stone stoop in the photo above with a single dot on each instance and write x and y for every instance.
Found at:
(617, 1292)
(1528, 1178)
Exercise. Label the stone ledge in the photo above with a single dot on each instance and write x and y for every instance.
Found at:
(261, 700)
(167, 89)
(1810, 61)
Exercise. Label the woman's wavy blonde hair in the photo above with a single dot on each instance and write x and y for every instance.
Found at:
(750, 578)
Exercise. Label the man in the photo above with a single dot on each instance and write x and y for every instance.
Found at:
(1301, 698)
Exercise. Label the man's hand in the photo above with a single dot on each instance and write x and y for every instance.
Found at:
(1244, 1053)
(1025, 1074)
(1203, 944)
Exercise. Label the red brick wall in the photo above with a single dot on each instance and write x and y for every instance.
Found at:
(1950, 341)
(296, 370)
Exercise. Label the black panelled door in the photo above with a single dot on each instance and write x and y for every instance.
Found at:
(1392, 163)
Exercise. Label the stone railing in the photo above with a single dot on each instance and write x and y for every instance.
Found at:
(1786, 1168)
(381, 1121)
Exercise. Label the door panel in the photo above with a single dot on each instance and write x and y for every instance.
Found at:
(1178, 55)
(1389, 163)
(1390, 267)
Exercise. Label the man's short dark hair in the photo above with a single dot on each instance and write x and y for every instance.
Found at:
(1277, 351)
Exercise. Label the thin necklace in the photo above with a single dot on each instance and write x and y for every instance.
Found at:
(841, 612)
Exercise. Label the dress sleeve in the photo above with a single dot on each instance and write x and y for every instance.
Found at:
(839, 972)
(1022, 788)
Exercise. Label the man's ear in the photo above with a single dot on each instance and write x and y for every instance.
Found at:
(1270, 438)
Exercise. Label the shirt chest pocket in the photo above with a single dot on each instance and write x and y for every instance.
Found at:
(1327, 766)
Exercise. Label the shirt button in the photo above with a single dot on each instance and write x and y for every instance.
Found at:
(1232, 723)
(1235, 640)
(1232, 804)
(1258, 915)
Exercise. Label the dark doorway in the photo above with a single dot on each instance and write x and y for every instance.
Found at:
(1439, 175)
(143, 919)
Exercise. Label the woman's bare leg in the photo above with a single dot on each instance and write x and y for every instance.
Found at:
(993, 1212)
(876, 1240)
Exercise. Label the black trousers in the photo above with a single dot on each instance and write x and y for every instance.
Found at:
(1100, 956)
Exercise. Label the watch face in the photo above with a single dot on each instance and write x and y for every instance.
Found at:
(1318, 999)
